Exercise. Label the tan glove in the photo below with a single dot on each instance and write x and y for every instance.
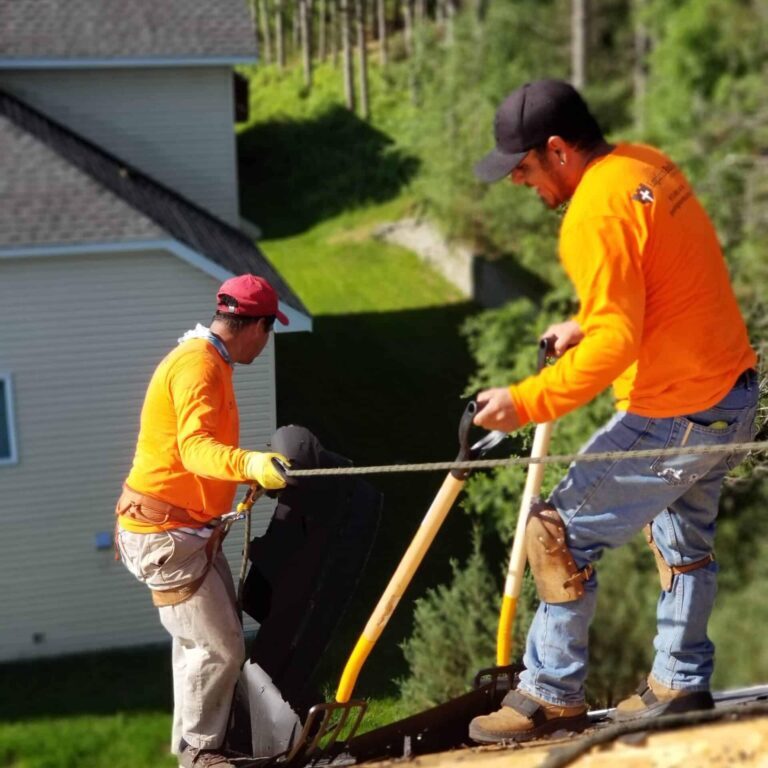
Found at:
(262, 467)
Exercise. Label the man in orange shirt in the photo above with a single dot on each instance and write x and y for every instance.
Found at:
(657, 320)
(184, 477)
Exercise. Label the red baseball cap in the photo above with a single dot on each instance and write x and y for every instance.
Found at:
(250, 296)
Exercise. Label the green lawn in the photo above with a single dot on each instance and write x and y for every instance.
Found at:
(135, 740)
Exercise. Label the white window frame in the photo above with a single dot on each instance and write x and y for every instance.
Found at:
(5, 377)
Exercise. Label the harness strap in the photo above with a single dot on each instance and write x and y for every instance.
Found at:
(524, 706)
(668, 572)
(163, 597)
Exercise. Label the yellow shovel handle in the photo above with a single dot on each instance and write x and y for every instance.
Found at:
(399, 582)
(514, 581)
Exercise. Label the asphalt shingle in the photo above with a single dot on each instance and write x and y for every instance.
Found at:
(120, 29)
(56, 186)
(46, 200)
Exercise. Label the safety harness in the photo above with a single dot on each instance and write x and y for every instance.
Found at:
(151, 511)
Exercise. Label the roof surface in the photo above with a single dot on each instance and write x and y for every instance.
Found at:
(102, 29)
(57, 187)
(46, 200)
(736, 741)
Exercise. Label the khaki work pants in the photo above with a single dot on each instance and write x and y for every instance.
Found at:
(208, 647)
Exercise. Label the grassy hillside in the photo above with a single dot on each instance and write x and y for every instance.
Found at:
(379, 379)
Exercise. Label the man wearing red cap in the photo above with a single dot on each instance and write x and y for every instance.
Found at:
(659, 322)
(184, 476)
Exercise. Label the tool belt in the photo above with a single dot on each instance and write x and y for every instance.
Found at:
(151, 511)
(666, 571)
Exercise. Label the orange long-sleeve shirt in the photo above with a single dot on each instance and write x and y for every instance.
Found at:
(187, 453)
(659, 317)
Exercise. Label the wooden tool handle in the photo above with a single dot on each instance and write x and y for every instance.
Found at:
(399, 582)
(517, 559)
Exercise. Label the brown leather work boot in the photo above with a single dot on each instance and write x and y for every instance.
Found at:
(654, 699)
(522, 718)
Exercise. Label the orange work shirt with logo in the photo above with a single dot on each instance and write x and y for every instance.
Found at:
(660, 320)
(186, 453)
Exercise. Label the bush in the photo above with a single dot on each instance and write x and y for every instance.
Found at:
(454, 634)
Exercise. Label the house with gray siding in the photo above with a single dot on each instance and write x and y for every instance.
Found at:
(118, 219)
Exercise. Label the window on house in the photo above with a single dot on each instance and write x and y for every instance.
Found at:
(7, 436)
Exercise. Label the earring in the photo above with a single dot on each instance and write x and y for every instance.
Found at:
(562, 160)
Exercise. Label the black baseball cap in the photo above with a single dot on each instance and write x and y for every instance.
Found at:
(527, 118)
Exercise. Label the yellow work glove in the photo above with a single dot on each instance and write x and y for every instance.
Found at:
(262, 467)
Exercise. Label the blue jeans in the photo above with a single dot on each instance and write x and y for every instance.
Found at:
(605, 503)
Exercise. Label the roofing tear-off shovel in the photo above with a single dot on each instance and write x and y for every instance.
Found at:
(326, 722)
(514, 581)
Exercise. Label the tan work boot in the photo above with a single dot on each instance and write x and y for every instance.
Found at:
(203, 758)
(654, 699)
(522, 718)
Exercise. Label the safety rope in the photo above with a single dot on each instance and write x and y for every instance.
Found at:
(513, 461)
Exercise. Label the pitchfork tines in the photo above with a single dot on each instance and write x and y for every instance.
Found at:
(327, 725)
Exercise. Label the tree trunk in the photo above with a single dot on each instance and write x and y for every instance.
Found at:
(279, 34)
(578, 43)
(253, 9)
(322, 20)
(333, 31)
(306, 41)
(407, 6)
(346, 46)
(362, 54)
(640, 64)
(266, 34)
(450, 15)
(381, 16)
(296, 25)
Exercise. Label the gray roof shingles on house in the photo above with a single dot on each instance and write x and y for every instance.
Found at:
(46, 200)
(125, 29)
(56, 186)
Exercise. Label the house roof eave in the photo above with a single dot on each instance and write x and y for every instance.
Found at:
(125, 63)
(299, 321)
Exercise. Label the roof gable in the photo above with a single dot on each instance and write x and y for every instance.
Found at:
(47, 200)
(151, 204)
(116, 29)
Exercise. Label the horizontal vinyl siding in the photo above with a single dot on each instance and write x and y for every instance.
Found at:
(175, 124)
(81, 336)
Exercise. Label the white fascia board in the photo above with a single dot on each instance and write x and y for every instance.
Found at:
(298, 320)
(127, 63)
